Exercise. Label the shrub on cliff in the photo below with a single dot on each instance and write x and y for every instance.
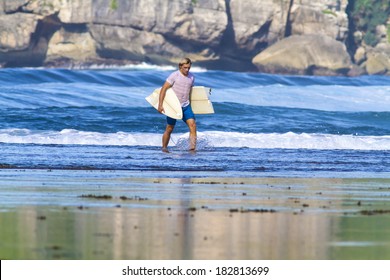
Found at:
(367, 15)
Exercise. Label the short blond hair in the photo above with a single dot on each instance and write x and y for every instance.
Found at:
(185, 60)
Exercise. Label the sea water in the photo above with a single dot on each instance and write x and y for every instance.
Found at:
(264, 125)
(303, 163)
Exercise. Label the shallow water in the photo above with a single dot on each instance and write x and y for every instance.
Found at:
(47, 214)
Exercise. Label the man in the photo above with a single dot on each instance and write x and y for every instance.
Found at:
(181, 82)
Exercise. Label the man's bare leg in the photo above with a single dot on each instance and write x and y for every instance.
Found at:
(192, 126)
(166, 137)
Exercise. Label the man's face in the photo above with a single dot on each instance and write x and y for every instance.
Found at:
(185, 68)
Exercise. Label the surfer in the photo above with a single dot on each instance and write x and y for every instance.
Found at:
(181, 82)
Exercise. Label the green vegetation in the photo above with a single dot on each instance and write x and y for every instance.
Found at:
(388, 33)
(114, 5)
(367, 15)
(329, 12)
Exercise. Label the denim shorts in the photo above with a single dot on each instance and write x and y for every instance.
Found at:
(187, 114)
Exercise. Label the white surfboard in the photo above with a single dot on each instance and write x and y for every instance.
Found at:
(199, 99)
(171, 104)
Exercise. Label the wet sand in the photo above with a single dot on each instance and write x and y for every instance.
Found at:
(93, 214)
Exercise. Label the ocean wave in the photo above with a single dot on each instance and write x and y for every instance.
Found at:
(229, 117)
(317, 97)
(325, 98)
(37, 88)
(145, 74)
(206, 139)
(76, 95)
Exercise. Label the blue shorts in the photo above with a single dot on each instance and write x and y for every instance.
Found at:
(187, 114)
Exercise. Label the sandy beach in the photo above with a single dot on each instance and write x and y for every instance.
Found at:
(97, 214)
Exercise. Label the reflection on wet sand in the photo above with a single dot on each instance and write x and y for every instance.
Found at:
(195, 218)
(161, 234)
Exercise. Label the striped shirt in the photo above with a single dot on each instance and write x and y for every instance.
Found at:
(181, 85)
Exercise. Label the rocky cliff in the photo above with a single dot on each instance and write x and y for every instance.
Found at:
(277, 36)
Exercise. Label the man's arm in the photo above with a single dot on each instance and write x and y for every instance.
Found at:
(163, 92)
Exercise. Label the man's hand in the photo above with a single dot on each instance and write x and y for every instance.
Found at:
(161, 108)
(163, 91)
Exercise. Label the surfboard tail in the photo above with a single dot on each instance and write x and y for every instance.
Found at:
(200, 100)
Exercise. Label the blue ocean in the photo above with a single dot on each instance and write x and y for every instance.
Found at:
(264, 125)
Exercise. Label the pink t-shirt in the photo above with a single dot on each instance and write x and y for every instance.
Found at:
(181, 85)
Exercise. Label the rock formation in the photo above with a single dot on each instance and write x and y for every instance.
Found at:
(322, 56)
(285, 36)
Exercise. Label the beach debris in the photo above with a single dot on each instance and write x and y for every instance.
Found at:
(55, 247)
(105, 196)
(374, 212)
(261, 210)
(96, 196)
(256, 210)
(133, 198)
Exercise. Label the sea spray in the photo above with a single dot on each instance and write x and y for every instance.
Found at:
(202, 142)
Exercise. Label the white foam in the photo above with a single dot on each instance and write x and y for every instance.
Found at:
(75, 137)
(207, 139)
(298, 141)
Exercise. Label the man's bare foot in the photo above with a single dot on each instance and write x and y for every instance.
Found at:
(165, 150)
